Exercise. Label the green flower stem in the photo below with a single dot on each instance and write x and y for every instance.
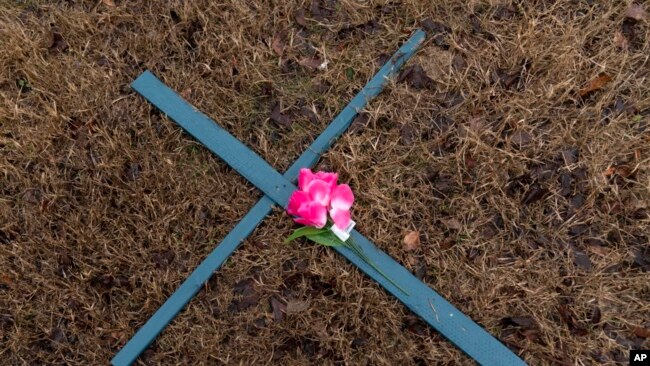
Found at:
(352, 245)
(326, 237)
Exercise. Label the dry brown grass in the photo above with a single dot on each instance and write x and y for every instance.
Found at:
(106, 206)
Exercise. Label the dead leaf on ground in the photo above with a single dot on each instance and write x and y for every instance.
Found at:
(416, 77)
(110, 3)
(470, 162)
(624, 171)
(506, 79)
(598, 250)
(615, 332)
(569, 318)
(279, 309)
(438, 31)
(636, 12)
(581, 259)
(621, 170)
(186, 93)
(488, 231)
(459, 63)
(570, 155)
(520, 138)
(359, 123)
(412, 240)
(382, 59)
(57, 336)
(132, 171)
(525, 322)
(58, 44)
(407, 134)
(478, 124)
(309, 113)
(628, 29)
(299, 17)
(415, 325)
(621, 41)
(6, 281)
(566, 314)
(296, 306)
(312, 63)
(533, 335)
(595, 84)
(442, 123)
(359, 29)
(319, 11)
(504, 12)
(596, 315)
(249, 295)
(162, 258)
(359, 342)
(472, 253)
(33, 195)
(452, 98)
(253, 328)
(435, 27)
(609, 171)
(452, 223)
(278, 117)
(447, 243)
(278, 42)
(534, 194)
(565, 184)
(641, 332)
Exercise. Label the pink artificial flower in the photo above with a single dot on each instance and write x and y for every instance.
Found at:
(318, 192)
(297, 199)
(307, 211)
(306, 176)
(312, 214)
(319, 185)
(340, 203)
(309, 204)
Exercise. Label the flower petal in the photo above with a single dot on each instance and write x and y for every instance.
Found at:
(304, 177)
(312, 214)
(329, 178)
(303, 221)
(297, 199)
(319, 191)
(342, 197)
(341, 217)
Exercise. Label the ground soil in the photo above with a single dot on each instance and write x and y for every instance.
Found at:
(516, 143)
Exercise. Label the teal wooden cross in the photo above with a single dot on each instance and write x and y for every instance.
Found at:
(418, 297)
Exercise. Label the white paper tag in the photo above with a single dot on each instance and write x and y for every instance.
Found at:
(343, 234)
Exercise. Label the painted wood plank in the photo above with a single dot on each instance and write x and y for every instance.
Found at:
(148, 85)
(422, 300)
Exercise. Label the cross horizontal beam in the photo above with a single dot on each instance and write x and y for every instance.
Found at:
(421, 299)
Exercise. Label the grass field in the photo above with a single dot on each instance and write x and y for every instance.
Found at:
(516, 144)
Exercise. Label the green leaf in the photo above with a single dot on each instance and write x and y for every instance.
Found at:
(23, 84)
(327, 239)
(304, 231)
(349, 72)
